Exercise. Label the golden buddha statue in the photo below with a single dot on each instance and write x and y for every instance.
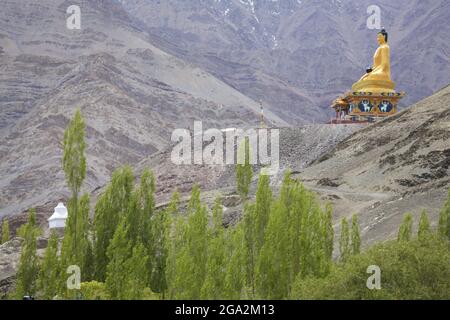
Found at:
(378, 78)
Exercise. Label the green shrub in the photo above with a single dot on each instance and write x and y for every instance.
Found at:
(94, 291)
(409, 270)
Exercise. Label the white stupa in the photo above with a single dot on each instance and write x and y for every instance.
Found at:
(59, 217)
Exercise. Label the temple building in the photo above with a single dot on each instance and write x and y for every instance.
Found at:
(372, 97)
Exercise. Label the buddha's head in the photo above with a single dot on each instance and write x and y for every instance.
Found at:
(382, 37)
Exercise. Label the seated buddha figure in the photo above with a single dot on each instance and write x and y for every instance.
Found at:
(378, 77)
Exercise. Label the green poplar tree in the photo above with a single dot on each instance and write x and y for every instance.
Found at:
(197, 240)
(244, 171)
(312, 241)
(161, 233)
(217, 218)
(85, 250)
(316, 257)
(424, 226)
(213, 287)
(49, 271)
(298, 241)
(344, 241)
(194, 201)
(136, 274)
(176, 272)
(356, 238)
(272, 271)
(27, 272)
(74, 165)
(249, 236)
(74, 160)
(104, 225)
(262, 209)
(235, 266)
(188, 253)
(126, 275)
(134, 218)
(5, 231)
(150, 234)
(328, 232)
(118, 267)
(76, 248)
(405, 231)
(296, 227)
(444, 220)
(110, 208)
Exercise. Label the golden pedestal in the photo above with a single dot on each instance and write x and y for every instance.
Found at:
(368, 106)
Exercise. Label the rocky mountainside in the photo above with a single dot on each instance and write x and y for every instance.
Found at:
(297, 56)
(298, 147)
(131, 93)
(399, 165)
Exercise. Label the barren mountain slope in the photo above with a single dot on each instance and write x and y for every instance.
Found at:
(296, 56)
(298, 147)
(132, 95)
(398, 165)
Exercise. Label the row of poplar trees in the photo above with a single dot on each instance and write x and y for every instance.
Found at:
(129, 250)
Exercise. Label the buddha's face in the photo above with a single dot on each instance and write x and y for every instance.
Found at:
(380, 39)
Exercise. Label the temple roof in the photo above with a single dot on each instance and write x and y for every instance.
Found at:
(339, 101)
